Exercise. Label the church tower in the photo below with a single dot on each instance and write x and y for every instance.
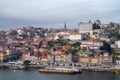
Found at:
(65, 27)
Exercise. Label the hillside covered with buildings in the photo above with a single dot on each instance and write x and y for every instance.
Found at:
(89, 42)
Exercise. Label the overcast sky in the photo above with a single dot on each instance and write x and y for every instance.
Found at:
(53, 13)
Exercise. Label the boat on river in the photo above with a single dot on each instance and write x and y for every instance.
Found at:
(60, 70)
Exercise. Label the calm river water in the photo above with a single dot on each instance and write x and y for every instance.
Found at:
(35, 75)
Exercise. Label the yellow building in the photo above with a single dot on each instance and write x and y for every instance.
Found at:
(84, 59)
(3, 56)
(94, 60)
(89, 59)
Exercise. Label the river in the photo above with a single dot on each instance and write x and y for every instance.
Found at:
(35, 75)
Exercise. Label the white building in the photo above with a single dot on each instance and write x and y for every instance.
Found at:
(85, 27)
(91, 44)
(63, 58)
(75, 36)
(71, 35)
(118, 44)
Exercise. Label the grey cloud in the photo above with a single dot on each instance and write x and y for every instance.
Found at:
(56, 12)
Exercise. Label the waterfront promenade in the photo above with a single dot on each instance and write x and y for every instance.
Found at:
(79, 66)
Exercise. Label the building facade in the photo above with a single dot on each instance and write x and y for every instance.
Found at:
(85, 27)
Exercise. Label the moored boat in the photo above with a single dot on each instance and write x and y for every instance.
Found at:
(60, 70)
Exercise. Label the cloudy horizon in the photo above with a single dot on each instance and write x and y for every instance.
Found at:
(53, 13)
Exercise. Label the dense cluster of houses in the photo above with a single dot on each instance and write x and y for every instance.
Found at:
(30, 43)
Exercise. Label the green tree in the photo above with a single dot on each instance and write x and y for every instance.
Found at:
(96, 26)
(115, 53)
(73, 51)
(106, 46)
(118, 36)
(62, 42)
(84, 49)
(50, 43)
(26, 62)
(76, 44)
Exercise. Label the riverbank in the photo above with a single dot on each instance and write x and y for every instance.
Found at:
(19, 66)
(22, 67)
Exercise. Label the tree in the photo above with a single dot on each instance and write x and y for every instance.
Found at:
(115, 53)
(96, 26)
(50, 43)
(26, 62)
(84, 49)
(62, 42)
(106, 46)
(73, 51)
(76, 44)
(118, 36)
